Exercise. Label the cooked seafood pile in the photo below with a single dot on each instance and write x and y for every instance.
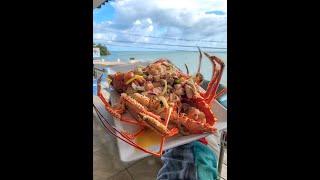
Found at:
(161, 86)
(166, 100)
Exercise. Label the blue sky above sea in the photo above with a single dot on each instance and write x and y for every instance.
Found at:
(118, 24)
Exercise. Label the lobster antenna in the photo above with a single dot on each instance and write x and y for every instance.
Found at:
(200, 59)
(99, 79)
(187, 69)
(208, 56)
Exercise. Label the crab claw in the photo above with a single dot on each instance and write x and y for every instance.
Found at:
(218, 67)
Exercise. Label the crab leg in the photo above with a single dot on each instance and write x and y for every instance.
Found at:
(213, 77)
(212, 95)
(222, 92)
(206, 109)
(168, 117)
(166, 124)
(133, 135)
(122, 137)
(214, 83)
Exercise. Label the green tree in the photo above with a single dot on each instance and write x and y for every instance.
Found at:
(103, 49)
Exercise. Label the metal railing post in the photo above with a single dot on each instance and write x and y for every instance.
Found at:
(223, 146)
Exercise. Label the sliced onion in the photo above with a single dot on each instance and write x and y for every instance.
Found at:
(133, 78)
(165, 87)
(164, 101)
(139, 88)
(151, 93)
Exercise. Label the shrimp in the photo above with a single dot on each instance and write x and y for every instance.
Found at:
(148, 86)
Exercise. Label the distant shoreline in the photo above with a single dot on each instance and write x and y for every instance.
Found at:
(167, 51)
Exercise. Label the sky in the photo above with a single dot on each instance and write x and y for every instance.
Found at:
(140, 25)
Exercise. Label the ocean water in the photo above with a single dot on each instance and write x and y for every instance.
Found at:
(179, 58)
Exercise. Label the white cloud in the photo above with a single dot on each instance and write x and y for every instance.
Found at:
(104, 36)
(149, 20)
(150, 28)
(164, 18)
(137, 22)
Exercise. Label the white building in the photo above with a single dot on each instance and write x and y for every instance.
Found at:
(96, 52)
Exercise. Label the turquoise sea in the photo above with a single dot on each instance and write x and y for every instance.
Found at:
(179, 58)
